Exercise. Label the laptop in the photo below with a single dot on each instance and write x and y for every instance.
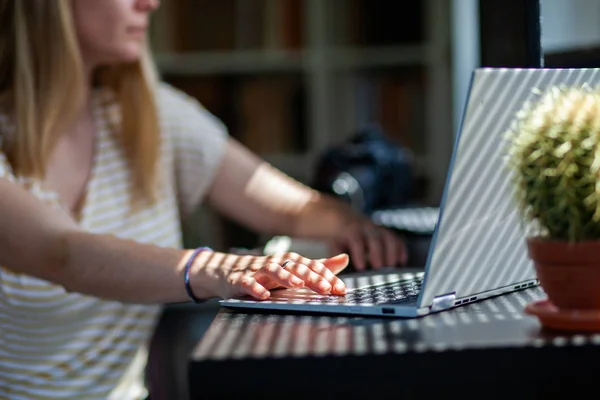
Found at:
(478, 247)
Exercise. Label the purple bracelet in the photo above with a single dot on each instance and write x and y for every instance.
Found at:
(186, 276)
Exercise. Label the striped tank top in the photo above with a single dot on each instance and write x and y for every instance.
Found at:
(60, 345)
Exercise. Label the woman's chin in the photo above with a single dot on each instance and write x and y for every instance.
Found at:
(123, 56)
(131, 56)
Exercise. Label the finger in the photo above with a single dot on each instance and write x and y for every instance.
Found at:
(394, 251)
(403, 251)
(320, 268)
(275, 273)
(374, 244)
(317, 266)
(338, 286)
(357, 251)
(336, 264)
(311, 279)
(250, 286)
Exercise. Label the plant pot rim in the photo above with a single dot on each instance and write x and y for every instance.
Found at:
(557, 252)
(548, 240)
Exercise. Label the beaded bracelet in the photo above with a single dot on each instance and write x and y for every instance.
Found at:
(186, 275)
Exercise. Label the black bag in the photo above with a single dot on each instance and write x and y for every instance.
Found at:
(369, 171)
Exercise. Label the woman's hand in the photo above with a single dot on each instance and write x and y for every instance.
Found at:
(256, 276)
(370, 244)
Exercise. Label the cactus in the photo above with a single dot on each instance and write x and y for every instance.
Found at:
(554, 155)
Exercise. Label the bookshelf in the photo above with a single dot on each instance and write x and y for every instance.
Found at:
(293, 77)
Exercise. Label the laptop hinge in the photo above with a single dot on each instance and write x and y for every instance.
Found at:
(443, 302)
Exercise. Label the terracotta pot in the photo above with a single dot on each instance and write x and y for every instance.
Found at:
(569, 273)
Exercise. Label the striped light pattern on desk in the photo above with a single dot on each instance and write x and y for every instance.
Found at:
(480, 243)
(497, 322)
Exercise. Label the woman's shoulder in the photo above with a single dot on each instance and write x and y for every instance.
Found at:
(176, 101)
(169, 94)
(177, 108)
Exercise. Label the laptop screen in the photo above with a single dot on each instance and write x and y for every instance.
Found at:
(479, 242)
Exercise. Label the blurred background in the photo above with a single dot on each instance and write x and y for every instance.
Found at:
(292, 78)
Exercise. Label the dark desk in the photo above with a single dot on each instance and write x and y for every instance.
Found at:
(488, 349)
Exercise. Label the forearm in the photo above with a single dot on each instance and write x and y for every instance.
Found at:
(40, 241)
(323, 217)
(263, 198)
(108, 267)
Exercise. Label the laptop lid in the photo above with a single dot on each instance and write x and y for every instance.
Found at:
(478, 245)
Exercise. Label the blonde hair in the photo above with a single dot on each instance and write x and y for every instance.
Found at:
(41, 87)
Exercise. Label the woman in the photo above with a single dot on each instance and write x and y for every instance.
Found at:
(98, 165)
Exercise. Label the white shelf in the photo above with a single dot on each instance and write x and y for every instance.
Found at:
(239, 62)
(261, 61)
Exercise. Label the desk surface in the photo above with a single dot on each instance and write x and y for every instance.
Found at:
(480, 344)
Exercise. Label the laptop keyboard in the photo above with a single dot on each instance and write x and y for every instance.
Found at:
(402, 292)
(397, 293)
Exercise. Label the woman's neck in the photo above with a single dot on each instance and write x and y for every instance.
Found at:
(89, 70)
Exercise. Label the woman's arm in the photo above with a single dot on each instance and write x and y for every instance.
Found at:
(40, 241)
(259, 196)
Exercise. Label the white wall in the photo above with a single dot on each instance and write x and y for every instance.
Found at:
(465, 52)
(568, 24)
